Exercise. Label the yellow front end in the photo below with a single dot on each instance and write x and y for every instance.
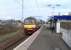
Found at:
(29, 27)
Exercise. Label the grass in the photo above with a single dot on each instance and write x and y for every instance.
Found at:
(7, 36)
(8, 32)
(5, 30)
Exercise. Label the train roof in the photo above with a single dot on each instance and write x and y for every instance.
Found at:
(30, 18)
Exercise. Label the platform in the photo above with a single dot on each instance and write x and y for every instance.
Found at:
(48, 40)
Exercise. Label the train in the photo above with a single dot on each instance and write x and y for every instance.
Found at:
(30, 25)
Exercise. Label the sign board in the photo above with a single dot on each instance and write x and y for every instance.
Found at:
(62, 17)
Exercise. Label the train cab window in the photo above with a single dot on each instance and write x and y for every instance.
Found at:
(29, 22)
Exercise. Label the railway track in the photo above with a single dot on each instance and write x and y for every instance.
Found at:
(16, 43)
(13, 40)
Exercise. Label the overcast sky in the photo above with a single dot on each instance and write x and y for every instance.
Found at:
(13, 8)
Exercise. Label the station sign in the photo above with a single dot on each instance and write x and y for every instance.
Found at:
(62, 17)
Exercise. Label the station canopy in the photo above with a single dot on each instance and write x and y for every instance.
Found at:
(62, 17)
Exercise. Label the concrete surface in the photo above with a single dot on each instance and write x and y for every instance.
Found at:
(66, 36)
(48, 40)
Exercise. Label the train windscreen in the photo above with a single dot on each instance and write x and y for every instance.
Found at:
(29, 22)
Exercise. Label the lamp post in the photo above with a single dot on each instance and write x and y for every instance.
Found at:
(54, 25)
(22, 10)
(22, 7)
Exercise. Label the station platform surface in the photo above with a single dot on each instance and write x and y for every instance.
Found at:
(48, 40)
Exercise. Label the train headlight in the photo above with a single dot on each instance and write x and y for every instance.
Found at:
(34, 26)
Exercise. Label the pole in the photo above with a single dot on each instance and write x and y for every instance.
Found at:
(22, 10)
(58, 27)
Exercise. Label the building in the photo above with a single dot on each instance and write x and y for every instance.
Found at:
(59, 19)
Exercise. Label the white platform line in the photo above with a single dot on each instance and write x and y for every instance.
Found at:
(24, 45)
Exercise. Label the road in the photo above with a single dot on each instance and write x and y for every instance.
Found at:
(48, 40)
